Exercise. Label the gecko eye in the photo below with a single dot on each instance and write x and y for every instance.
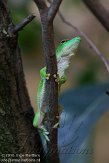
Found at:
(64, 40)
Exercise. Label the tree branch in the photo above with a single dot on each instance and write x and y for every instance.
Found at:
(16, 112)
(51, 87)
(22, 24)
(53, 9)
(99, 11)
(90, 43)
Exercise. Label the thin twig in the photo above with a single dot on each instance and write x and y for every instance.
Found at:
(90, 43)
(22, 24)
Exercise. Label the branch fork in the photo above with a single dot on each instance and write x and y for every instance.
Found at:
(13, 30)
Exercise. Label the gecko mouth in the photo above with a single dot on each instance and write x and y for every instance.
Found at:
(71, 50)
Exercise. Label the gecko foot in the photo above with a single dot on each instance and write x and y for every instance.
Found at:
(56, 125)
(47, 76)
(56, 78)
(44, 132)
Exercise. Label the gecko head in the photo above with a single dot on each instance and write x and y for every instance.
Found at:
(68, 47)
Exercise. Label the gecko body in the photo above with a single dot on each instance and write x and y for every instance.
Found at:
(64, 51)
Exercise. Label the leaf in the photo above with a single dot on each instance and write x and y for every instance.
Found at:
(82, 109)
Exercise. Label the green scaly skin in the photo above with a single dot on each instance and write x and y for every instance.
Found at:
(64, 51)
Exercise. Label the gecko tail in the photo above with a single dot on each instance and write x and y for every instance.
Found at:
(37, 123)
(44, 137)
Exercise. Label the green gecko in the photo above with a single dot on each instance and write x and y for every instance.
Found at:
(64, 51)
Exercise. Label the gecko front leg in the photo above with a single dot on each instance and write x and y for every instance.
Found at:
(60, 80)
(44, 75)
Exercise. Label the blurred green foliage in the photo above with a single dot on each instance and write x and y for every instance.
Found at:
(29, 38)
(89, 76)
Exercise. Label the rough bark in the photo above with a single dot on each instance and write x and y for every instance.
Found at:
(16, 113)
